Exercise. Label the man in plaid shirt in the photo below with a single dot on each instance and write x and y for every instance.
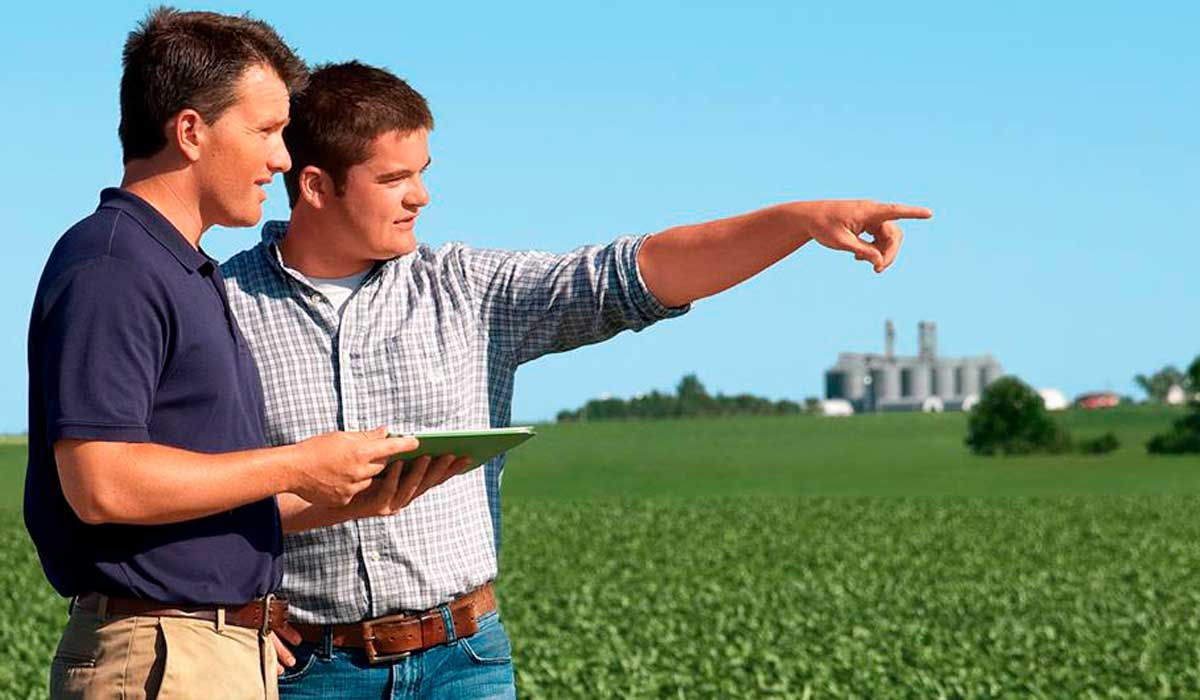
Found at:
(354, 325)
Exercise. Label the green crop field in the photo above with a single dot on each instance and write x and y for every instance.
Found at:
(903, 454)
(805, 557)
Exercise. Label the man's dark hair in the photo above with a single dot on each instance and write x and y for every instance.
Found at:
(345, 107)
(177, 60)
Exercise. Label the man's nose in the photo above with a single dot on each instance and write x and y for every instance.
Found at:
(419, 195)
(280, 161)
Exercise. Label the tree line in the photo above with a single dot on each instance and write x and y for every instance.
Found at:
(690, 400)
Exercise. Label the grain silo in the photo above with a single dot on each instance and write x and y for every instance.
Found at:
(889, 382)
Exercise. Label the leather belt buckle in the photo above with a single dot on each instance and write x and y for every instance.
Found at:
(265, 628)
(369, 638)
(374, 658)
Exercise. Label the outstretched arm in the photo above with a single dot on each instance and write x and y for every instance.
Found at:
(686, 263)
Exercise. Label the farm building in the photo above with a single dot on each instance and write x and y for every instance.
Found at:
(1053, 399)
(1098, 399)
(926, 382)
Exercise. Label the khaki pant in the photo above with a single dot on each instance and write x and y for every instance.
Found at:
(145, 658)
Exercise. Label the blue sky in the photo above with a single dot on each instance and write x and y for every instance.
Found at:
(1058, 147)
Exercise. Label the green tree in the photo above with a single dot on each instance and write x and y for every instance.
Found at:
(693, 398)
(1158, 384)
(1011, 418)
(1184, 436)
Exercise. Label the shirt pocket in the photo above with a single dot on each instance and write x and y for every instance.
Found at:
(429, 379)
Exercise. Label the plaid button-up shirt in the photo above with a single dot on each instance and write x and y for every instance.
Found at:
(429, 341)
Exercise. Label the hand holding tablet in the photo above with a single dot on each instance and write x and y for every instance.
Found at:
(478, 445)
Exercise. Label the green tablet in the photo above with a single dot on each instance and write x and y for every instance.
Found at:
(479, 445)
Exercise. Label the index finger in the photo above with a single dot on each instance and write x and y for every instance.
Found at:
(386, 447)
(906, 211)
(288, 634)
(888, 239)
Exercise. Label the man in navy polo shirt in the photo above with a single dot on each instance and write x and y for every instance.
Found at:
(149, 492)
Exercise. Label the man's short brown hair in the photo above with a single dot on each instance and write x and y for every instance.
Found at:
(177, 60)
(345, 107)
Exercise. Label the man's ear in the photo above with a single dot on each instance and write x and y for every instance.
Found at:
(186, 132)
(316, 187)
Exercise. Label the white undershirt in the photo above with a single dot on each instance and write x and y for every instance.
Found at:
(338, 289)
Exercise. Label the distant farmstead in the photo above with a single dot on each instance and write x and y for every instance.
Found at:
(1098, 399)
(887, 382)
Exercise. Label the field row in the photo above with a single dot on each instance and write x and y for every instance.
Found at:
(809, 597)
(856, 598)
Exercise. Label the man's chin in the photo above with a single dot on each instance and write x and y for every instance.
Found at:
(250, 216)
(404, 244)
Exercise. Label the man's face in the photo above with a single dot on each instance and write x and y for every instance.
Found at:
(243, 149)
(382, 197)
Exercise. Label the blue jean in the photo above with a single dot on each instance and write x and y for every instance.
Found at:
(479, 666)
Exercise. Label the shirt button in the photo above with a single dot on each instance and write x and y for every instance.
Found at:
(374, 556)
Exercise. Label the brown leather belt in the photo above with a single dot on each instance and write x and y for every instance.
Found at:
(265, 614)
(396, 636)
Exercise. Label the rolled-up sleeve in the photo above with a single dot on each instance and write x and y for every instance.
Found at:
(104, 333)
(534, 303)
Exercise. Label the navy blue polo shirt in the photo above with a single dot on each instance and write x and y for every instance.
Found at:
(131, 340)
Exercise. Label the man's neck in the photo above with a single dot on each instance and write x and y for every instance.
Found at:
(307, 251)
(172, 194)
